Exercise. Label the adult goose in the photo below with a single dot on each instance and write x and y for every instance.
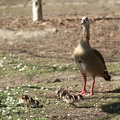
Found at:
(89, 60)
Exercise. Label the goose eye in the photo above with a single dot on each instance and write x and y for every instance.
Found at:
(86, 19)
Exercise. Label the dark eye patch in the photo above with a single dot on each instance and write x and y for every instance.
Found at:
(86, 19)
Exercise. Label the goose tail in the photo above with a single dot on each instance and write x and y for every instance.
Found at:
(106, 76)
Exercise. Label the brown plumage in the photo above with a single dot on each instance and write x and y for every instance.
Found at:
(26, 99)
(67, 97)
(89, 60)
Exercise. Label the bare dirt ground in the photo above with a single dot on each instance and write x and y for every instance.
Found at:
(54, 39)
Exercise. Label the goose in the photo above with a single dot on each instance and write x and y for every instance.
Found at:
(89, 60)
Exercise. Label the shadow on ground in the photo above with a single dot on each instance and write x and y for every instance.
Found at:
(32, 87)
(114, 91)
(112, 108)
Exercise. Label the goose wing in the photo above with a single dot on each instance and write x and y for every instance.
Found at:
(100, 56)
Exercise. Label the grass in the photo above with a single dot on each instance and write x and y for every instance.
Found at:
(114, 67)
(9, 108)
(10, 64)
(14, 66)
(107, 102)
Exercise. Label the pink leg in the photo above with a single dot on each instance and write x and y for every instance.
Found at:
(84, 86)
(92, 87)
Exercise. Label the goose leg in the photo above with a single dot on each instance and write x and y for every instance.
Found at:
(92, 87)
(84, 86)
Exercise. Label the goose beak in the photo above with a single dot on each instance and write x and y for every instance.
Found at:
(82, 23)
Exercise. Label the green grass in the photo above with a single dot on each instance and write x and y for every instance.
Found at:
(107, 102)
(104, 105)
(113, 67)
(12, 65)
(9, 108)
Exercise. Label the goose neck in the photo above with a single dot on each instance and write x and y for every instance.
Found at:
(86, 34)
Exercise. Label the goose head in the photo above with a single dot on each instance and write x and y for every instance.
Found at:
(85, 22)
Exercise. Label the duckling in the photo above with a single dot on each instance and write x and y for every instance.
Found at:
(71, 99)
(67, 97)
(27, 100)
(61, 92)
